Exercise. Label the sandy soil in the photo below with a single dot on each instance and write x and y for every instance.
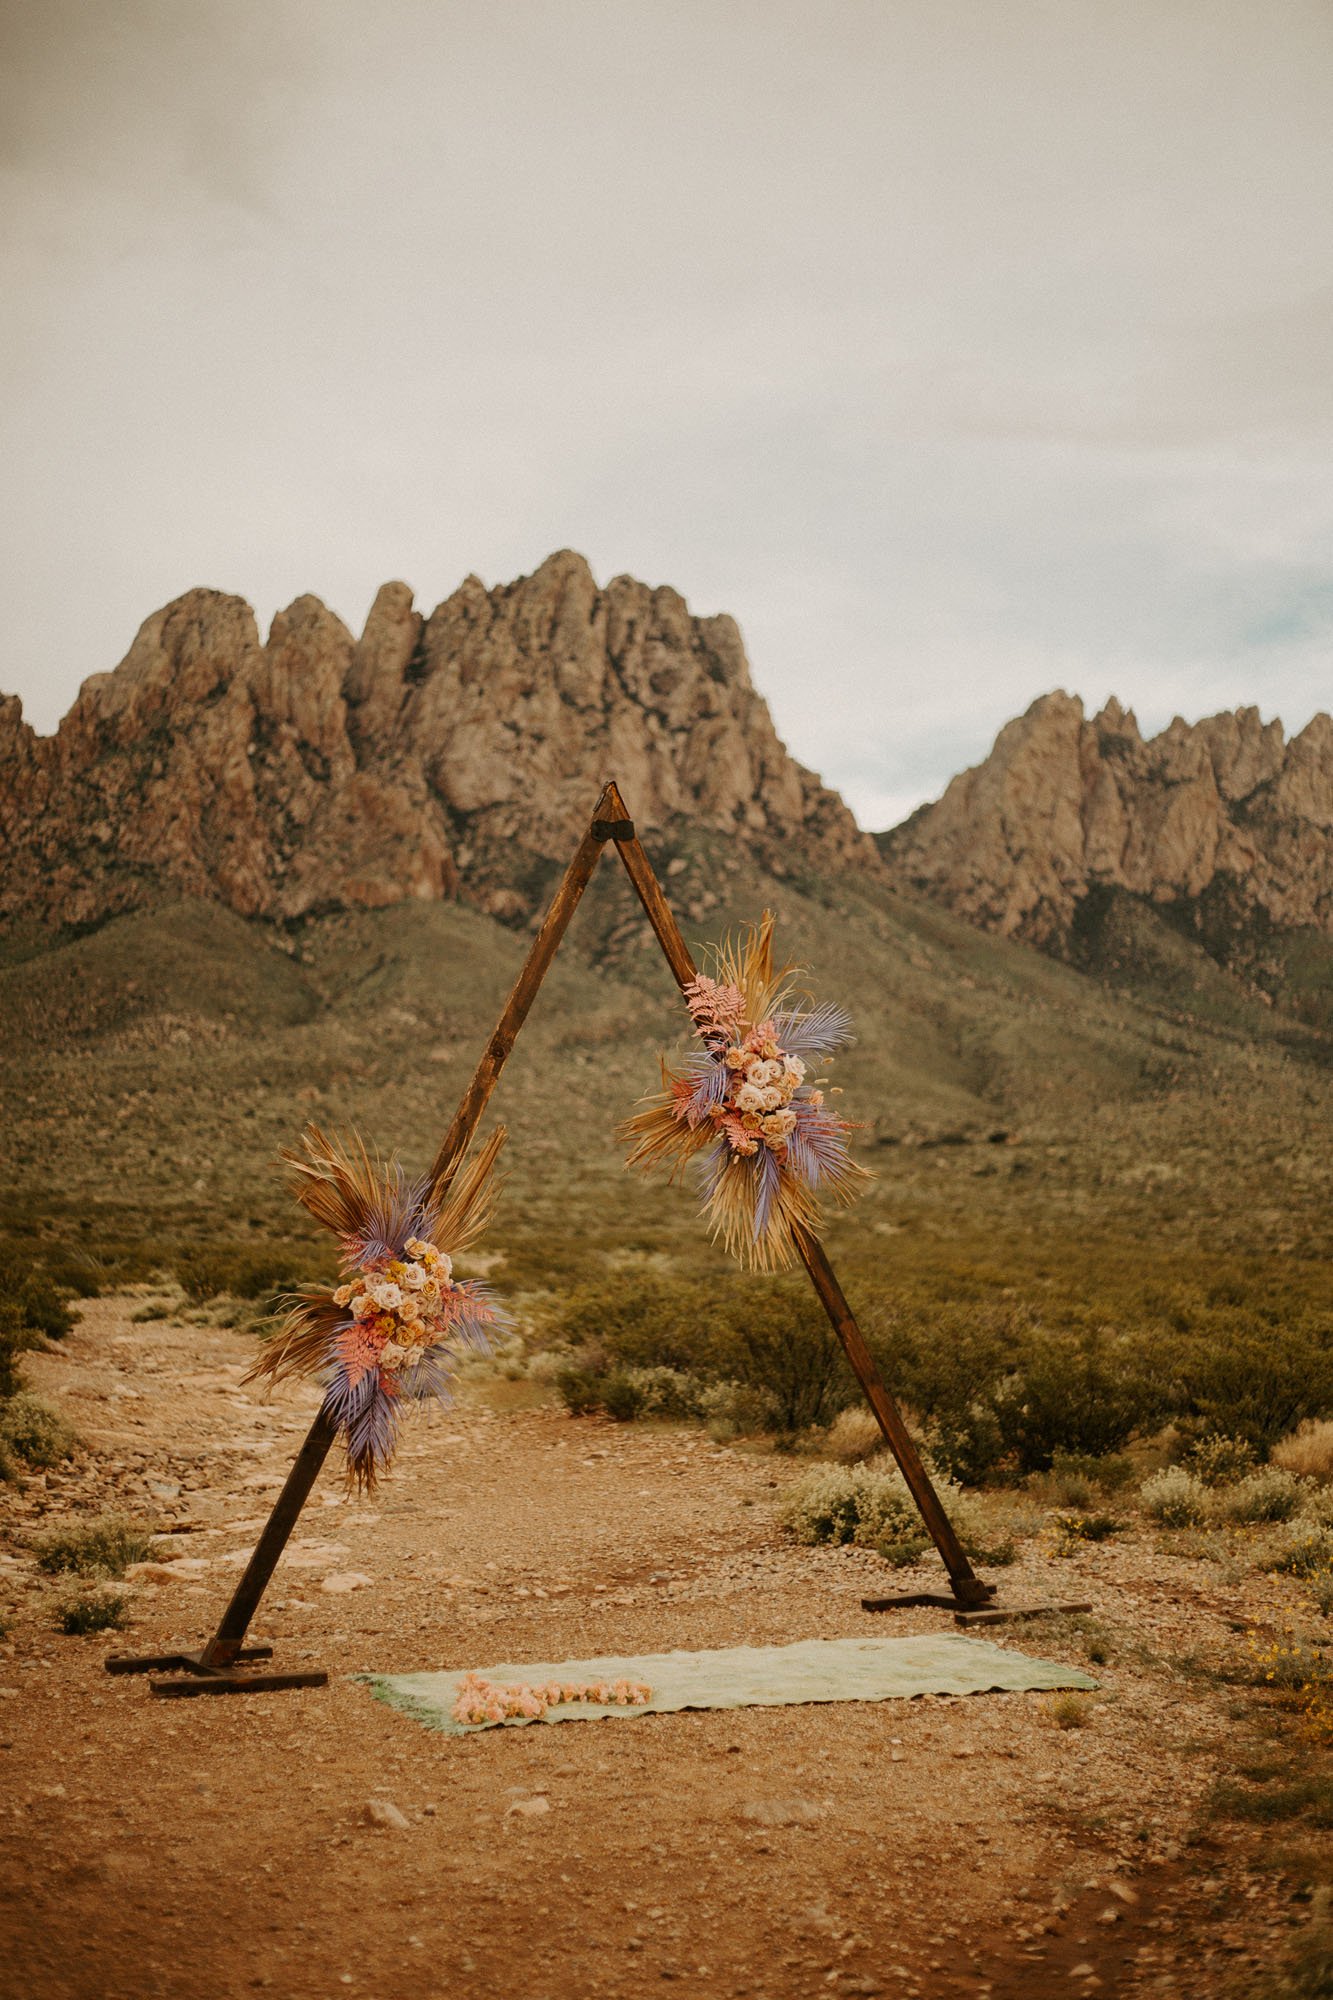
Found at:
(932, 1847)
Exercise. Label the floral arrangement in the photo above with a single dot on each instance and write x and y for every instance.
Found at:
(481, 1701)
(745, 1108)
(388, 1336)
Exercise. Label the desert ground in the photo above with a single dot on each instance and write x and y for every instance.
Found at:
(933, 1847)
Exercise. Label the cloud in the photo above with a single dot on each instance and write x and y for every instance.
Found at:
(959, 352)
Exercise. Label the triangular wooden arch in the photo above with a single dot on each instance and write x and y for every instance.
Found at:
(221, 1666)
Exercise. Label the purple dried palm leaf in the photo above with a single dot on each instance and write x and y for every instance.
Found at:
(710, 1088)
(820, 1033)
(432, 1376)
(400, 1211)
(767, 1179)
(708, 1171)
(372, 1432)
(818, 1146)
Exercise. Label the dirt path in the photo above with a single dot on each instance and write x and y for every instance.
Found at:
(932, 1847)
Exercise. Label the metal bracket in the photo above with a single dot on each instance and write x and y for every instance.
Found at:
(613, 829)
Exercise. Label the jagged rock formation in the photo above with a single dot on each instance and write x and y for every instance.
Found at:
(316, 772)
(1064, 806)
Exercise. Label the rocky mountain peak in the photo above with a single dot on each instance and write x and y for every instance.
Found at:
(1063, 805)
(314, 770)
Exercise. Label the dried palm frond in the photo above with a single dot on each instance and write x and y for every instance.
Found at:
(764, 1168)
(389, 1337)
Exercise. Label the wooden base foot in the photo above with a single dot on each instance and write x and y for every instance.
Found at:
(971, 1614)
(235, 1680)
(179, 1662)
(191, 1674)
(1001, 1614)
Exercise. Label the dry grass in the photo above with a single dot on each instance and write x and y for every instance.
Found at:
(853, 1436)
(1308, 1452)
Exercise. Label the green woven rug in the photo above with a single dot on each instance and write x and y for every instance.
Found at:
(750, 1677)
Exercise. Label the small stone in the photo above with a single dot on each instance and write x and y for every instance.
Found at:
(383, 1812)
(346, 1579)
(529, 1808)
(781, 1812)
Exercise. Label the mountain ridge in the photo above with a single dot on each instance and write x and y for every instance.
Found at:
(1075, 831)
(454, 753)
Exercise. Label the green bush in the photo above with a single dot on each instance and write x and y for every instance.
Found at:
(620, 1395)
(1080, 1527)
(91, 1610)
(873, 1507)
(1308, 1552)
(1270, 1494)
(641, 1320)
(40, 1302)
(16, 1338)
(580, 1390)
(1085, 1394)
(737, 1409)
(1221, 1461)
(1255, 1384)
(34, 1432)
(1175, 1498)
(655, 1345)
(105, 1546)
(210, 1273)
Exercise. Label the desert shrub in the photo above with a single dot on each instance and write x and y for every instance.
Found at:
(39, 1300)
(1108, 1474)
(872, 1507)
(1252, 1384)
(16, 1338)
(1081, 1527)
(620, 1396)
(105, 1546)
(737, 1409)
(94, 1609)
(969, 1444)
(854, 1436)
(782, 1343)
(1317, 1504)
(34, 1432)
(765, 1336)
(1085, 1394)
(1319, 1591)
(1069, 1711)
(1175, 1498)
(1219, 1460)
(643, 1320)
(1270, 1494)
(579, 1389)
(210, 1273)
(1307, 1551)
(1308, 1451)
(667, 1392)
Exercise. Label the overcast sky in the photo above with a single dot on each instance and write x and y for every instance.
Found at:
(962, 351)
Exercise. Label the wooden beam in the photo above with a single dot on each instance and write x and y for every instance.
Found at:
(968, 1588)
(496, 1053)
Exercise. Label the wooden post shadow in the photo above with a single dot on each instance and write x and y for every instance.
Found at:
(222, 1666)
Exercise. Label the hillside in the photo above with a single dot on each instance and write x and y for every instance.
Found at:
(1022, 1120)
(246, 885)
